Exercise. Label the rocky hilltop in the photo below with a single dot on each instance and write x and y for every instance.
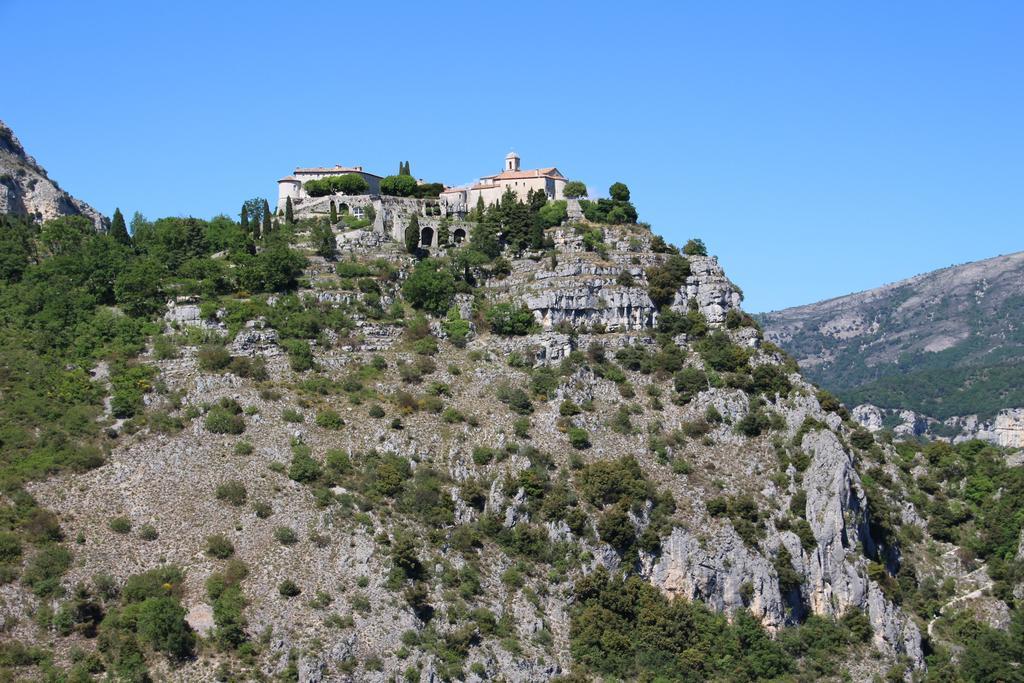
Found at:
(26, 190)
(318, 456)
(946, 345)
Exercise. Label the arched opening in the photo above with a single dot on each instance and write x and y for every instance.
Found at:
(459, 235)
(343, 208)
(426, 237)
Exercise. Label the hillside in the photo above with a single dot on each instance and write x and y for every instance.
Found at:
(26, 189)
(944, 343)
(295, 451)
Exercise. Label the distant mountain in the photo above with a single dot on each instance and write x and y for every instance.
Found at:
(945, 343)
(26, 189)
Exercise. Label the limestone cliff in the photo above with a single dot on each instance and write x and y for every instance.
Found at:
(25, 188)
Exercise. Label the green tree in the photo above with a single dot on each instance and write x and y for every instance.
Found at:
(507, 319)
(695, 247)
(574, 189)
(412, 235)
(444, 231)
(244, 219)
(619, 192)
(324, 242)
(16, 247)
(267, 225)
(430, 287)
(334, 212)
(118, 229)
(139, 288)
(289, 215)
(398, 186)
(161, 624)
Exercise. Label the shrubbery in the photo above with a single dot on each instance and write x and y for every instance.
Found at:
(349, 183)
(510, 320)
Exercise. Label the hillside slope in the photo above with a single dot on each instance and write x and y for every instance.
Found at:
(26, 189)
(944, 343)
(304, 454)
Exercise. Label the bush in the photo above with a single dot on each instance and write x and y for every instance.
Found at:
(665, 280)
(225, 418)
(578, 438)
(43, 572)
(456, 328)
(160, 622)
(288, 588)
(349, 183)
(689, 382)
(213, 357)
(291, 415)
(148, 532)
(329, 419)
(515, 398)
(232, 491)
(483, 455)
(303, 468)
(721, 354)
(300, 355)
(120, 525)
(398, 186)
(509, 320)
(219, 546)
(285, 535)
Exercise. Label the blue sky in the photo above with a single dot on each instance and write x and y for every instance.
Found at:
(818, 148)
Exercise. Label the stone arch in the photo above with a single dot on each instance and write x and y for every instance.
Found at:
(459, 236)
(427, 237)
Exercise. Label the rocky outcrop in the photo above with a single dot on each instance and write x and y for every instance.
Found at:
(722, 572)
(1006, 429)
(707, 284)
(25, 189)
(618, 309)
(835, 569)
(1009, 428)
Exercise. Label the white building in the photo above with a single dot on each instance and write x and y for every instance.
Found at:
(491, 187)
(292, 186)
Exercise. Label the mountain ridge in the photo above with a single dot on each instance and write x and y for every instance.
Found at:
(933, 343)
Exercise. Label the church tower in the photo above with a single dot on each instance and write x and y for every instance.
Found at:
(511, 161)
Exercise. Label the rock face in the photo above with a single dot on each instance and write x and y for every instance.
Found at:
(837, 512)
(613, 295)
(25, 189)
(1006, 429)
(714, 293)
(719, 571)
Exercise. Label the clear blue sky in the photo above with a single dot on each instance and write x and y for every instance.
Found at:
(817, 147)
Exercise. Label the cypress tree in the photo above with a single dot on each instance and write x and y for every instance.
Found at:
(276, 225)
(266, 217)
(412, 235)
(118, 229)
(245, 220)
(401, 168)
(289, 216)
(334, 213)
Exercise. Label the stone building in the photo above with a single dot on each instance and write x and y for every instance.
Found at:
(491, 187)
(293, 186)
